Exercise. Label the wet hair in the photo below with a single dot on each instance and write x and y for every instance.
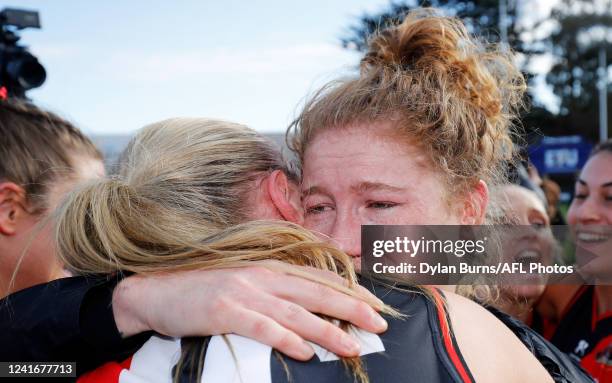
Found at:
(38, 147)
(440, 88)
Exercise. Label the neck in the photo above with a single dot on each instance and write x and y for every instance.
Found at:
(7, 265)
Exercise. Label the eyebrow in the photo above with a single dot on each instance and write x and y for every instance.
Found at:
(374, 186)
(604, 185)
(359, 188)
(315, 190)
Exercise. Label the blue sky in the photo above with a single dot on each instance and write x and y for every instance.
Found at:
(114, 66)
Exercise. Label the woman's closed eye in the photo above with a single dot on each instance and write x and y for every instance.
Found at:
(381, 204)
(318, 209)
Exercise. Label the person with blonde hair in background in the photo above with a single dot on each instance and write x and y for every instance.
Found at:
(527, 237)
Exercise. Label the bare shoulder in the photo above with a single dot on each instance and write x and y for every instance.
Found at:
(493, 353)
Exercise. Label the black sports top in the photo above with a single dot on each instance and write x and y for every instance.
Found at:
(583, 334)
(418, 348)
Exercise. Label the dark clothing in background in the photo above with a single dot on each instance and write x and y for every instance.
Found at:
(66, 320)
(561, 367)
(583, 334)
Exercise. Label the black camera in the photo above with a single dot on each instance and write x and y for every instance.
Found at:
(20, 71)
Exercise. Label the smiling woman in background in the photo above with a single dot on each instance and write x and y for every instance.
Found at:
(529, 239)
(578, 319)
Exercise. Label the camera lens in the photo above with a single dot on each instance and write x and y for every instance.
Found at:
(26, 71)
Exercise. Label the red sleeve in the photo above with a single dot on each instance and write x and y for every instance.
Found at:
(108, 372)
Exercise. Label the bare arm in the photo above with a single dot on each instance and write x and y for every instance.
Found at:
(271, 307)
(493, 353)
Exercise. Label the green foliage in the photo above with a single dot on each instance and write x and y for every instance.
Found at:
(573, 77)
(582, 29)
(480, 16)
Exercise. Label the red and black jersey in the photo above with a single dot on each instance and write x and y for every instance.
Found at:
(418, 348)
(583, 334)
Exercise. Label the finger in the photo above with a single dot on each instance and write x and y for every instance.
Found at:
(264, 329)
(335, 278)
(307, 325)
(318, 298)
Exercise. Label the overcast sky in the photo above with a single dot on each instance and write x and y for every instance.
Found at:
(114, 66)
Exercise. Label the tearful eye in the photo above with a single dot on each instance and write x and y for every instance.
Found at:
(318, 209)
(381, 205)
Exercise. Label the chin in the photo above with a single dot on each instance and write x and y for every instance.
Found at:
(529, 292)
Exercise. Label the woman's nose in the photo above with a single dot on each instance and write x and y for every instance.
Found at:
(347, 235)
(589, 212)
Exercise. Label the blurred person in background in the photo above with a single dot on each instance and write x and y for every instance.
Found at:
(549, 191)
(578, 319)
(42, 156)
(526, 238)
(532, 241)
(552, 190)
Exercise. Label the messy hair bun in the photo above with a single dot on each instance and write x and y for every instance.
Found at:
(446, 91)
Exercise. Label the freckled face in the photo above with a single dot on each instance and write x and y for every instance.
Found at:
(354, 177)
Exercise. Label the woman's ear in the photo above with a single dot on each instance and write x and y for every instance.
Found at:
(475, 207)
(285, 196)
(12, 202)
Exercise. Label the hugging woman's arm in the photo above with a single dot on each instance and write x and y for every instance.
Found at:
(94, 320)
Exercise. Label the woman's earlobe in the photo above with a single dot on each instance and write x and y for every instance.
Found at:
(475, 208)
(285, 197)
(12, 200)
